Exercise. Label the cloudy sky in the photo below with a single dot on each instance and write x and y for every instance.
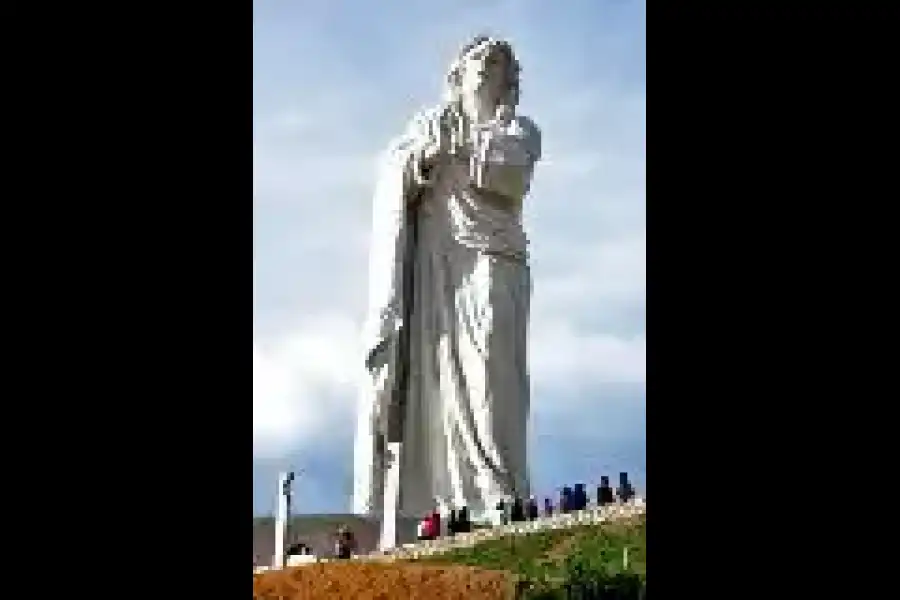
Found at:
(333, 81)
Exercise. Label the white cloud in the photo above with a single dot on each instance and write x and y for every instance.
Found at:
(599, 276)
(303, 384)
(276, 404)
(563, 357)
(591, 275)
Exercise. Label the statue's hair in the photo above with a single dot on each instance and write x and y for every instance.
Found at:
(483, 46)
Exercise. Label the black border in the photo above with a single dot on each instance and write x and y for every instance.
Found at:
(129, 136)
(708, 259)
(761, 182)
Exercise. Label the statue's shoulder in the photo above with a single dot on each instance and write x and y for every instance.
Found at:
(418, 126)
(528, 130)
(424, 121)
(528, 125)
(429, 114)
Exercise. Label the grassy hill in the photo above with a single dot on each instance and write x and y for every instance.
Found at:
(585, 561)
(544, 563)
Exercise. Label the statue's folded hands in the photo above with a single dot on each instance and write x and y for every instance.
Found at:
(506, 164)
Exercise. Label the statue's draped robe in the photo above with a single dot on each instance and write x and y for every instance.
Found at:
(467, 402)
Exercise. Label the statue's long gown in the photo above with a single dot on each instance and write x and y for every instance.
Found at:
(466, 413)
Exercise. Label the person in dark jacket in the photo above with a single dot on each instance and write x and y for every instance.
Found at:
(453, 522)
(565, 499)
(518, 511)
(463, 524)
(579, 497)
(604, 492)
(345, 544)
(532, 508)
(625, 490)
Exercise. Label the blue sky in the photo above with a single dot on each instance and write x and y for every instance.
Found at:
(333, 81)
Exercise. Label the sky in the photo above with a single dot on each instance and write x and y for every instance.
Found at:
(333, 82)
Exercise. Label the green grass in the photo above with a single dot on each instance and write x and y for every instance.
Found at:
(545, 562)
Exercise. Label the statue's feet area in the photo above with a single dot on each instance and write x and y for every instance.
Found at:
(317, 531)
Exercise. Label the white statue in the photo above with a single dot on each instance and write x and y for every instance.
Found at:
(446, 370)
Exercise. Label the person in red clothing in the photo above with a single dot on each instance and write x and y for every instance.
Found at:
(436, 523)
(430, 526)
(425, 528)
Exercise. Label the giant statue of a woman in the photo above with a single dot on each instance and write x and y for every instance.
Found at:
(446, 370)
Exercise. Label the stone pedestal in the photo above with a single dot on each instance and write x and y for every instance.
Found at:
(388, 538)
(281, 520)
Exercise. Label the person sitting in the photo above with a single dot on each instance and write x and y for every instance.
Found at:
(436, 523)
(297, 549)
(625, 490)
(463, 525)
(299, 554)
(426, 527)
(604, 492)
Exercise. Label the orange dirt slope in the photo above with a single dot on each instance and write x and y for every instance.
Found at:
(382, 581)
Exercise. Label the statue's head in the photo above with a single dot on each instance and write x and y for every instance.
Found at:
(486, 69)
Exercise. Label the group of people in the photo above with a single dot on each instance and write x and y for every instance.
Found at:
(432, 526)
(344, 547)
(571, 499)
(299, 553)
(457, 522)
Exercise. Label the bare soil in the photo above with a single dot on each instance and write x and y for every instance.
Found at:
(382, 581)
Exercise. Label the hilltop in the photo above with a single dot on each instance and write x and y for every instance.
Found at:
(537, 565)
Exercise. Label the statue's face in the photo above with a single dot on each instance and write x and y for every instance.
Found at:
(484, 76)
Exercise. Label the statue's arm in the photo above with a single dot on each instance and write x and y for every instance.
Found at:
(420, 151)
(530, 139)
(511, 160)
